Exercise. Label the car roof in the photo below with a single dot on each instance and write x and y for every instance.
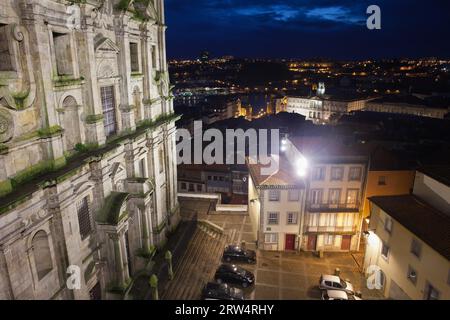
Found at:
(215, 286)
(337, 294)
(228, 266)
(328, 277)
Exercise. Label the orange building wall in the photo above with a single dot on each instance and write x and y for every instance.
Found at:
(397, 182)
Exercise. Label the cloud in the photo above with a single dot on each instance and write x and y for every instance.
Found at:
(306, 28)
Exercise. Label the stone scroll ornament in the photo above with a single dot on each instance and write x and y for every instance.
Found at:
(17, 86)
(6, 126)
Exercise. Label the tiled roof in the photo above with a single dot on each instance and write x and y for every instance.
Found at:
(285, 176)
(328, 147)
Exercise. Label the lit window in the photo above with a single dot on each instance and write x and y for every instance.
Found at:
(271, 238)
(272, 218)
(328, 240)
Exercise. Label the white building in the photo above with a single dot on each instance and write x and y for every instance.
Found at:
(330, 177)
(409, 239)
(323, 108)
(276, 207)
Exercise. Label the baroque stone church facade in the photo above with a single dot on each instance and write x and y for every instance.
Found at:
(87, 146)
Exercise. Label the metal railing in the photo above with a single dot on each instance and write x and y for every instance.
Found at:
(336, 229)
(328, 206)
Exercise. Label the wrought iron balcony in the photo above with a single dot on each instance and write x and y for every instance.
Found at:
(331, 229)
(333, 207)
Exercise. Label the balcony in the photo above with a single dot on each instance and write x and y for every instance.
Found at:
(332, 207)
(332, 229)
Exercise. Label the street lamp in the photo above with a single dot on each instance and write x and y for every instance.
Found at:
(302, 166)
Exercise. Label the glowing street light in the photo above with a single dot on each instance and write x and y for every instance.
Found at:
(302, 166)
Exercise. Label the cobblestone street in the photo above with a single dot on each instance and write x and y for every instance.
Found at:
(282, 275)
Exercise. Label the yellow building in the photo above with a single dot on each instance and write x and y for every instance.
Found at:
(408, 243)
(387, 176)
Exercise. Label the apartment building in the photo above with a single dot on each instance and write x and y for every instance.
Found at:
(408, 242)
(335, 176)
(275, 205)
(331, 177)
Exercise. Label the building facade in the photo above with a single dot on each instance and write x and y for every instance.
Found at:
(408, 242)
(328, 211)
(87, 162)
(276, 207)
(323, 109)
(407, 105)
(335, 176)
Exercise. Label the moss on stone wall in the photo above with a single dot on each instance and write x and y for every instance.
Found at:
(5, 187)
(50, 131)
(94, 118)
(3, 149)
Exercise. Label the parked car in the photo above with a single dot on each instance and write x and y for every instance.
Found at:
(232, 274)
(221, 291)
(338, 295)
(236, 253)
(329, 282)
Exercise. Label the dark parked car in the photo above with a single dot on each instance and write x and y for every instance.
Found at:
(221, 291)
(236, 253)
(232, 274)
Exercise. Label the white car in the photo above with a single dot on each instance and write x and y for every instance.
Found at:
(329, 282)
(338, 295)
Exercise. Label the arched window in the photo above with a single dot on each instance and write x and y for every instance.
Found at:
(42, 255)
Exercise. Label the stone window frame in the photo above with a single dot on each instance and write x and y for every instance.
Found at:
(73, 50)
(31, 258)
(112, 82)
(136, 41)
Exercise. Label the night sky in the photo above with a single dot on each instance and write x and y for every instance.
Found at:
(307, 28)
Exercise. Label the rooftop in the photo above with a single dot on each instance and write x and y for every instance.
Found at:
(411, 100)
(424, 221)
(440, 173)
(285, 176)
(329, 147)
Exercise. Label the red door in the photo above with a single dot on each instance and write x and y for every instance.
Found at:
(346, 241)
(312, 239)
(290, 242)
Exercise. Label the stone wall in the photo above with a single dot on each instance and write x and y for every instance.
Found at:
(87, 146)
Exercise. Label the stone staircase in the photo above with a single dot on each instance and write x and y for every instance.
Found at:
(198, 264)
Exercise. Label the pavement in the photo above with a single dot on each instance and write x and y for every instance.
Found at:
(283, 275)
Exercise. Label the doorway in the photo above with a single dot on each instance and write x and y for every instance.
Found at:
(346, 242)
(290, 242)
(312, 240)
